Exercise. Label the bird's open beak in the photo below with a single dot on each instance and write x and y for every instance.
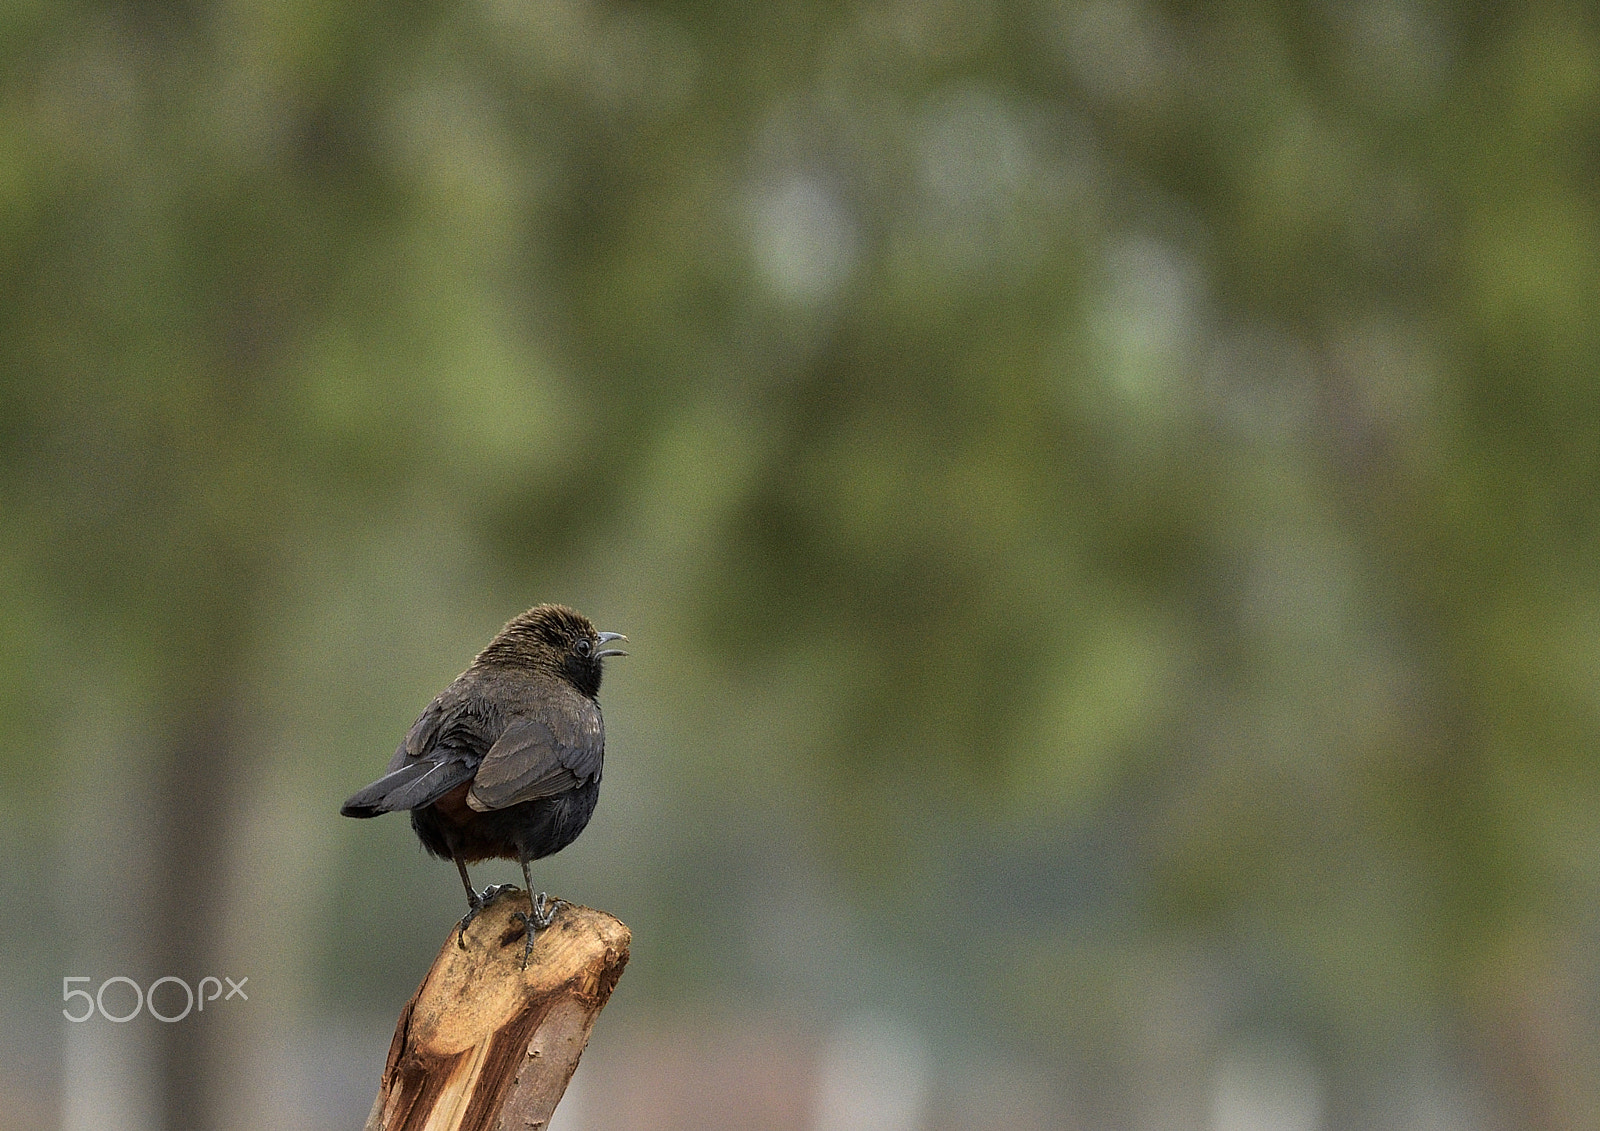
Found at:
(607, 638)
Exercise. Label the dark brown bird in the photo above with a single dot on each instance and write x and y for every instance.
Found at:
(505, 762)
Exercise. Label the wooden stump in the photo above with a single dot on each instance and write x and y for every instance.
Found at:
(484, 1045)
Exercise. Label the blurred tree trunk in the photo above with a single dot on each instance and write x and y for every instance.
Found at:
(203, 629)
(194, 805)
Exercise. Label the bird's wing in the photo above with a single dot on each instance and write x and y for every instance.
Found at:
(540, 757)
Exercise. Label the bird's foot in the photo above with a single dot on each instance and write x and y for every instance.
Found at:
(476, 902)
(544, 913)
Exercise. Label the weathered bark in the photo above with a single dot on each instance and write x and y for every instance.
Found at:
(486, 1045)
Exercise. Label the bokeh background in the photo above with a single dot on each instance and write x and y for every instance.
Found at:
(1103, 495)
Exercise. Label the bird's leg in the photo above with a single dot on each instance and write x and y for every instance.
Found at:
(476, 901)
(544, 913)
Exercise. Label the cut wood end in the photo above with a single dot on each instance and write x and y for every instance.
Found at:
(473, 990)
(484, 1037)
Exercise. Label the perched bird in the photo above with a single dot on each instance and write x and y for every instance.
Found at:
(505, 762)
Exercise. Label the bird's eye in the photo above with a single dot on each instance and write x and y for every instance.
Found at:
(581, 647)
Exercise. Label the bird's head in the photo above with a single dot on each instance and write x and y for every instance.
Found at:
(558, 639)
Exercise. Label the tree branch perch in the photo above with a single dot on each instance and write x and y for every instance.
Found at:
(484, 1045)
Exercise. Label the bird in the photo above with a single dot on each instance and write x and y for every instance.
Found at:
(505, 762)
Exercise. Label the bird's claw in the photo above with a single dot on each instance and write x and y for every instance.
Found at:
(544, 913)
(476, 902)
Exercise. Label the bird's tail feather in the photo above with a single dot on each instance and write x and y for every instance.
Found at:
(409, 787)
